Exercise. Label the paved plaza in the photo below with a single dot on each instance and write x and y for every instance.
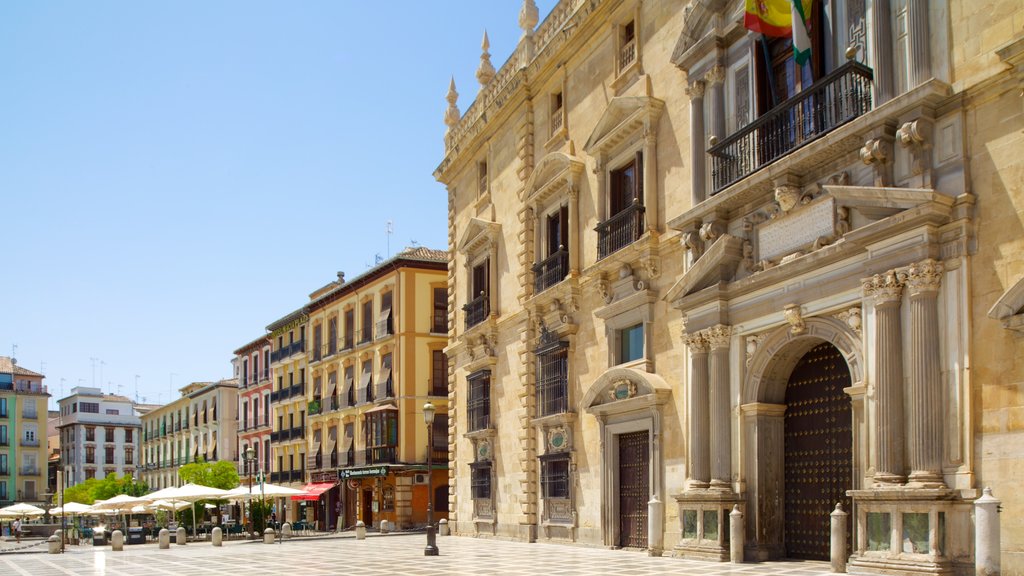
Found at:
(377, 555)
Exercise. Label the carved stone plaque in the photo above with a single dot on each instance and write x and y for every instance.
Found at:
(796, 230)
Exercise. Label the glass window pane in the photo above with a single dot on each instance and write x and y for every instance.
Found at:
(711, 525)
(915, 532)
(689, 523)
(879, 530)
(631, 344)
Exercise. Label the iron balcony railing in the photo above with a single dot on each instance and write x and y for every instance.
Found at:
(551, 270)
(476, 310)
(620, 230)
(382, 455)
(832, 101)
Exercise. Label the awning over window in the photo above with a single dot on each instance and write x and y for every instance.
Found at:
(347, 384)
(332, 438)
(364, 378)
(332, 383)
(346, 442)
(314, 490)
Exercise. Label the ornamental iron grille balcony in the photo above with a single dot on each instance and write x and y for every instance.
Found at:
(832, 101)
(476, 310)
(551, 270)
(478, 405)
(552, 375)
(620, 230)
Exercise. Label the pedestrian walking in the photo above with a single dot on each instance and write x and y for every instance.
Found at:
(17, 529)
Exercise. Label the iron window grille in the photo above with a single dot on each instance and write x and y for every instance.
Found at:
(478, 404)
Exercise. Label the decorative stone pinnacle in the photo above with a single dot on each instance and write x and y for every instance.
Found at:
(452, 114)
(528, 16)
(485, 73)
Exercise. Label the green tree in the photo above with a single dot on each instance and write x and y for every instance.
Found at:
(93, 489)
(220, 474)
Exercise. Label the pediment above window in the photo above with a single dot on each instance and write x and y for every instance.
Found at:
(553, 173)
(717, 264)
(699, 22)
(621, 390)
(624, 117)
(1009, 309)
(478, 235)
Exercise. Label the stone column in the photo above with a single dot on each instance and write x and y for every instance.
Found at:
(920, 42)
(574, 241)
(881, 50)
(700, 423)
(715, 79)
(887, 289)
(925, 414)
(720, 429)
(698, 183)
(650, 177)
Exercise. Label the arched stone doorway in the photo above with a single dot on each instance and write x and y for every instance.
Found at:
(818, 450)
(818, 370)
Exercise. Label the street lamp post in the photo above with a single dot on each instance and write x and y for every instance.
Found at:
(428, 417)
(249, 456)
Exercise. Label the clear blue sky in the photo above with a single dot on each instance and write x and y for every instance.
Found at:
(174, 176)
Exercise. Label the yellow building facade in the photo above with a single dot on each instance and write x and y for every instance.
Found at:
(376, 357)
(288, 405)
(695, 284)
(23, 431)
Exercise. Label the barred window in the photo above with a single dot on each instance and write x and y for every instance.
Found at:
(481, 480)
(388, 498)
(554, 475)
(478, 405)
(552, 378)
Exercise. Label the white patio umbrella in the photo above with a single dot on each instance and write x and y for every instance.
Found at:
(70, 508)
(21, 509)
(120, 504)
(267, 491)
(189, 493)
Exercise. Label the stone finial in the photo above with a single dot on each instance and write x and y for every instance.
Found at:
(485, 73)
(528, 17)
(452, 115)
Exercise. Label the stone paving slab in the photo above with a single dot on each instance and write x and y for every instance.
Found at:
(377, 556)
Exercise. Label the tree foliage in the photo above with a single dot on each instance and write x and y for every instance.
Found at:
(220, 474)
(94, 489)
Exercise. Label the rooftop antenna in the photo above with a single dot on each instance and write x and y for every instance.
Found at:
(389, 229)
(377, 259)
(93, 359)
(414, 243)
(102, 364)
(136, 388)
(14, 353)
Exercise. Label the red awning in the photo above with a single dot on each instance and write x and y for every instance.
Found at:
(313, 490)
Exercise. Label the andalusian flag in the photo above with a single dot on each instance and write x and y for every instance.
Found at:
(776, 18)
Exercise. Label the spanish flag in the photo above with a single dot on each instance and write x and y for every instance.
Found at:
(776, 18)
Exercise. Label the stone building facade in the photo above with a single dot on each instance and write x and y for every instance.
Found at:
(252, 369)
(690, 277)
(99, 435)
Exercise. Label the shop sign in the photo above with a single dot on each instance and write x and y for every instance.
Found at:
(363, 472)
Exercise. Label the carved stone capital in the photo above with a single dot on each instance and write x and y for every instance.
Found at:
(924, 276)
(885, 288)
(718, 336)
(716, 75)
(695, 89)
(696, 342)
